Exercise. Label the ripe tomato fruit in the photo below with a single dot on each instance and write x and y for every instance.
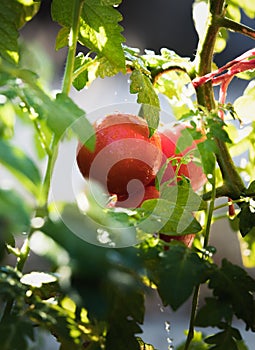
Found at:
(169, 138)
(135, 200)
(125, 157)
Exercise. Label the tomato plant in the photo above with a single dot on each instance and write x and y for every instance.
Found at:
(104, 251)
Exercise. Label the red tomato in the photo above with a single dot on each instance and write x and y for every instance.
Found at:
(125, 158)
(169, 138)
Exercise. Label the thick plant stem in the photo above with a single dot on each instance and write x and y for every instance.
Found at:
(232, 180)
(205, 97)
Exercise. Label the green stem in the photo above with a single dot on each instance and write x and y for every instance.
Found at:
(24, 253)
(67, 82)
(72, 45)
(192, 317)
(227, 204)
(197, 289)
(82, 69)
(52, 152)
(205, 98)
(42, 137)
(210, 214)
(45, 188)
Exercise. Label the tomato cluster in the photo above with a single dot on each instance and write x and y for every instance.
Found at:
(126, 160)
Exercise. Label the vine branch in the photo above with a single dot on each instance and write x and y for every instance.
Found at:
(235, 26)
(205, 95)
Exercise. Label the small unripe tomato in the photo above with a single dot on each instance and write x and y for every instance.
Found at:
(169, 138)
(124, 155)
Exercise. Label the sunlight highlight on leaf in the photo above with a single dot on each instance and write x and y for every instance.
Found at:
(37, 279)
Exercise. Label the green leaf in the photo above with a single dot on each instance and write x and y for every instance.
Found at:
(170, 71)
(126, 300)
(13, 15)
(246, 218)
(60, 113)
(167, 59)
(66, 114)
(247, 245)
(144, 346)
(234, 286)
(207, 151)
(241, 345)
(20, 165)
(121, 335)
(216, 126)
(7, 120)
(16, 333)
(175, 86)
(226, 339)
(37, 309)
(147, 97)
(82, 79)
(101, 32)
(11, 288)
(96, 226)
(62, 38)
(126, 296)
(197, 343)
(185, 140)
(247, 6)
(160, 215)
(244, 105)
(86, 70)
(44, 285)
(251, 189)
(176, 273)
(61, 12)
(14, 213)
(213, 313)
(99, 28)
(184, 195)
